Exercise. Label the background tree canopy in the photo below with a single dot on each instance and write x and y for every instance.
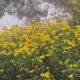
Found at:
(73, 7)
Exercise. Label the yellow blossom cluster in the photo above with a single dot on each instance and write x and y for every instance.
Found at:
(48, 51)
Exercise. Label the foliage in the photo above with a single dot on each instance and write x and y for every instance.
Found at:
(73, 7)
(48, 51)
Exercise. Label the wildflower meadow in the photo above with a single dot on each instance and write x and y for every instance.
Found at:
(48, 51)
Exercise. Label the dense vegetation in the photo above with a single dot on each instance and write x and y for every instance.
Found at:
(73, 7)
(48, 51)
(42, 51)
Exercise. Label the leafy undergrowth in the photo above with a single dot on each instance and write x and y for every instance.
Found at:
(48, 51)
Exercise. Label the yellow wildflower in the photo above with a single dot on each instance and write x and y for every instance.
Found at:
(73, 65)
(70, 76)
(42, 57)
(72, 43)
(45, 75)
(32, 71)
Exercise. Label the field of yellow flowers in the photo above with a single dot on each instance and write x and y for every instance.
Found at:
(48, 51)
